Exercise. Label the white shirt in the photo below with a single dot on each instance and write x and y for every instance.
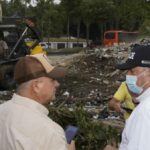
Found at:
(24, 125)
(136, 134)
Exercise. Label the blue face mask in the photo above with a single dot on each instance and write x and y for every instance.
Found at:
(131, 83)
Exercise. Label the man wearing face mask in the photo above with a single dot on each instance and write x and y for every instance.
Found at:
(136, 134)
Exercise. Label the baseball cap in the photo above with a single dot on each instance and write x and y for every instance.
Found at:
(35, 66)
(138, 57)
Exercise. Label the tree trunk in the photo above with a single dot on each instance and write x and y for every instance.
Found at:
(102, 33)
(87, 33)
(49, 29)
(42, 27)
(68, 31)
(117, 24)
(78, 32)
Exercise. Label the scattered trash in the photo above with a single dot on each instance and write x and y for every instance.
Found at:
(92, 79)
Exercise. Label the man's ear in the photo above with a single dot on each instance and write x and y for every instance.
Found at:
(36, 84)
(149, 72)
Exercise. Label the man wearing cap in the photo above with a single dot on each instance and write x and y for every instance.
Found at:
(136, 134)
(24, 124)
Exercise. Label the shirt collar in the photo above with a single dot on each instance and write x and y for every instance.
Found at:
(30, 103)
(144, 95)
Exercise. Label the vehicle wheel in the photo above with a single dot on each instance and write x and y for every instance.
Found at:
(6, 77)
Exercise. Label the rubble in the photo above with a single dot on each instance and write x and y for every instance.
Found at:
(98, 70)
(91, 82)
(92, 77)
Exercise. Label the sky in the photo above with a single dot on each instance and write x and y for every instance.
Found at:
(55, 1)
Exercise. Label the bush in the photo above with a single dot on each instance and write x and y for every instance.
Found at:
(145, 28)
(92, 135)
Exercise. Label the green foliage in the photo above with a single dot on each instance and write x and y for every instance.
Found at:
(131, 13)
(92, 135)
(53, 19)
(145, 28)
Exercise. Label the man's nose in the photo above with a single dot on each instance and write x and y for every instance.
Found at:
(129, 72)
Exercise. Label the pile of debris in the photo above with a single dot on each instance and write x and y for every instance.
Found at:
(89, 85)
(93, 79)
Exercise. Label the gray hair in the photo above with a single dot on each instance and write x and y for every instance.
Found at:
(23, 86)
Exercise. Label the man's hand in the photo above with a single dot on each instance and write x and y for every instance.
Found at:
(71, 146)
(115, 105)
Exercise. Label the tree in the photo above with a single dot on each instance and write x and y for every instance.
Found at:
(103, 13)
(16, 8)
(95, 11)
(76, 16)
(72, 10)
(42, 13)
(130, 14)
(4, 5)
(87, 16)
(57, 20)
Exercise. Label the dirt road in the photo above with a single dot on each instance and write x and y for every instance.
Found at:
(64, 59)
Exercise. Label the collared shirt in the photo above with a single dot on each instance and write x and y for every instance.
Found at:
(136, 134)
(24, 125)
